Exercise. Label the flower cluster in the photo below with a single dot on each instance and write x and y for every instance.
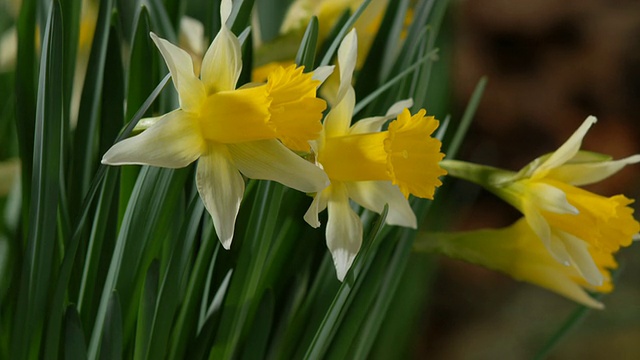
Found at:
(258, 130)
(278, 130)
(580, 230)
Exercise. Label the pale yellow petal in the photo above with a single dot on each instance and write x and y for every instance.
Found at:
(567, 150)
(581, 258)
(338, 121)
(189, 87)
(270, 160)
(221, 188)
(549, 198)
(174, 141)
(344, 231)
(318, 205)
(347, 56)
(222, 62)
(588, 173)
(373, 195)
(321, 73)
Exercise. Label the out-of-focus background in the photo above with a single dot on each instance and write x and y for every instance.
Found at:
(550, 64)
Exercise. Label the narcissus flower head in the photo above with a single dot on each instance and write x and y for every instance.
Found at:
(230, 131)
(518, 252)
(571, 222)
(370, 166)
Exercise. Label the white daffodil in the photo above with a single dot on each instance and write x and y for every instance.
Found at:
(571, 222)
(370, 166)
(230, 131)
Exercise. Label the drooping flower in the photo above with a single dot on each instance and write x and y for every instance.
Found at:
(370, 166)
(572, 223)
(518, 252)
(230, 131)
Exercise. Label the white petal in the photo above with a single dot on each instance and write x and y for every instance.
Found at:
(318, 205)
(399, 106)
(374, 124)
(222, 62)
(567, 150)
(189, 87)
(373, 195)
(369, 125)
(192, 35)
(225, 11)
(174, 141)
(589, 173)
(344, 231)
(221, 188)
(321, 73)
(347, 56)
(540, 226)
(578, 249)
(270, 160)
(550, 198)
(338, 120)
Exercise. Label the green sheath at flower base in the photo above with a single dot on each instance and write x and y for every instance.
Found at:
(571, 222)
(518, 252)
(249, 130)
(370, 166)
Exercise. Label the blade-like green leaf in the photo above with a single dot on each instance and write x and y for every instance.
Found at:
(343, 31)
(241, 301)
(85, 149)
(345, 295)
(144, 325)
(112, 338)
(37, 267)
(257, 340)
(240, 17)
(307, 51)
(75, 346)
(467, 117)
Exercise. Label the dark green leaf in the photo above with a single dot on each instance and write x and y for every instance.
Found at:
(112, 338)
(75, 347)
(307, 51)
(37, 267)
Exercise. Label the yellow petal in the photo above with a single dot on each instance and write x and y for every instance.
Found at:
(174, 141)
(589, 173)
(338, 120)
(413, 155)
(295, 110)
(221, 188)
(237, 116)
(318, 205)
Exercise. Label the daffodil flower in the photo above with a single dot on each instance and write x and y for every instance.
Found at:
(230, 131)
(370, 166)
(518, 252)
(571, 222)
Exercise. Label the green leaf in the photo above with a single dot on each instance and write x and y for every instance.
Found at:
(37, 267)
(85, 147)
(172, 284)
(343, 31)
(240, 303)
(25, 83)
(144, 325)
(112, 339)
(186, 325)
(271, 14)
(240, 17)
(257, 339)
(348, 289)
(307, 51)
(75, 346)
(162, 25)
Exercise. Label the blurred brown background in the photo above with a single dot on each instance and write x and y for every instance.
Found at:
(550, 64)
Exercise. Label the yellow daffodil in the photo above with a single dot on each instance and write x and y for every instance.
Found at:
(517, 251)
(370, 166)
(231, 131)
(571, 222)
